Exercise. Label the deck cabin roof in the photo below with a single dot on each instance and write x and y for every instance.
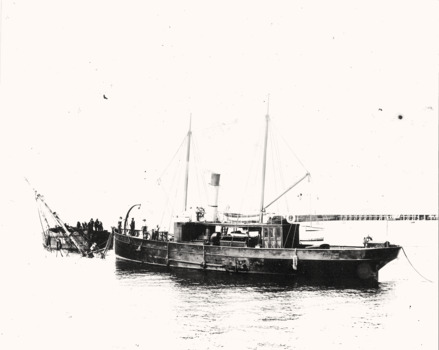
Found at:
(231, 224)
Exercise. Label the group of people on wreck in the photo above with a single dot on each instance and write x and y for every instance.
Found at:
(90, 226)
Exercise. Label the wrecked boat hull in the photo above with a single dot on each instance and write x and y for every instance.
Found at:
(55, 240)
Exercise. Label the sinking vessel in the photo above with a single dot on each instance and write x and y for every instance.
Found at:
(267, 245)
(62, 239)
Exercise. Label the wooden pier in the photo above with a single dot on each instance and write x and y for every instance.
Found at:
(362, 217)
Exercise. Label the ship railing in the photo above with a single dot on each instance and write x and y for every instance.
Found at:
(155, 235)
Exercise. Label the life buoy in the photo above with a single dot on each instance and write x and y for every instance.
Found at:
(291, 218)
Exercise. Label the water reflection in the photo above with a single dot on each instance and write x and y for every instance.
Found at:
(251, 312)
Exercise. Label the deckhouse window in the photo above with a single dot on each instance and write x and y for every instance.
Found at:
(272, 237)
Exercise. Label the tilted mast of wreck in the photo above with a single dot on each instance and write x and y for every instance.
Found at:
(39, 197)
(61, 223)
(188, 152)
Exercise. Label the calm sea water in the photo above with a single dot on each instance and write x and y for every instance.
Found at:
(50, 302)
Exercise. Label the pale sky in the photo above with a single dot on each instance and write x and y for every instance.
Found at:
(353, 87)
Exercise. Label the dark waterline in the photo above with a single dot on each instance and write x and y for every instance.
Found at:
(207, 279)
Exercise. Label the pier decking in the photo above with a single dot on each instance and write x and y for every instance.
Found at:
(363, 217)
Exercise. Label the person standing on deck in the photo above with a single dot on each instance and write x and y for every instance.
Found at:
(91, 225)
(132, 226)
(119, 226)
(145, 232)
(90, 229)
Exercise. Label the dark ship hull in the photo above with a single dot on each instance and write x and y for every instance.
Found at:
(315, 262)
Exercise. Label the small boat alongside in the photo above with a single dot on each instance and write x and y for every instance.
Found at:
(261, 245)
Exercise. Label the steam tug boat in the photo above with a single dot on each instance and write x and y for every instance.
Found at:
(266, 246)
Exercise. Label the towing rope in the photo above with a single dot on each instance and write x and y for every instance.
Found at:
(414, 267)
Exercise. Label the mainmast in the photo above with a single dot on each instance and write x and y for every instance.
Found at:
(264, 163)
(188, 152)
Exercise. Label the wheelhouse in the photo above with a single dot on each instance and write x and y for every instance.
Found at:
(277, 233)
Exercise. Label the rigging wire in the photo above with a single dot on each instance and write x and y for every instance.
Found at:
(172, 184)
(251, 171)
(39, 204)
(40, 213)
(201, 185)
(173, 157)
(289, 147)
(174, 181)
(202, 193)
(414, 267)
(277, 168)
(281, 136)
(195, 169)
(288, 234)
